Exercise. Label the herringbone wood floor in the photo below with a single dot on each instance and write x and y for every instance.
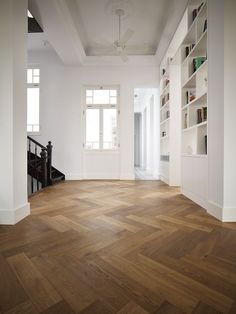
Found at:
(117, 247)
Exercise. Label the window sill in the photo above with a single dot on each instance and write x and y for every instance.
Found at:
(33, 133)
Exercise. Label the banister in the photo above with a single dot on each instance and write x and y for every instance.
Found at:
(35, 142)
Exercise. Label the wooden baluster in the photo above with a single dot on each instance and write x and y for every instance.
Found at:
(43, 155)
(49, 163)
(32, 185)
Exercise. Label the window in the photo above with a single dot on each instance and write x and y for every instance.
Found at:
(33, 80)
(101, 123)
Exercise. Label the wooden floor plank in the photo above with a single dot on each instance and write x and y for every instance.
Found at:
(111, 246)
(39, 290)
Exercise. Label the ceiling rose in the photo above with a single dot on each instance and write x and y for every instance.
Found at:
(113, 5)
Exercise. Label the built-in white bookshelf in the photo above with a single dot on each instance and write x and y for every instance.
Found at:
(164, 109)
(170, 119)
(194, 81)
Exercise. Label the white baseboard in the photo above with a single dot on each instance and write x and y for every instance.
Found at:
(165, 180)
(195, 198)
(11, 217)
(229, 214)
(127, 176)
(73, 177)
(101, 176)
(215, 210)
(156, 176)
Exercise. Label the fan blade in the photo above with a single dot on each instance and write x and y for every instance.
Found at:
(124, 56)
(127, 35)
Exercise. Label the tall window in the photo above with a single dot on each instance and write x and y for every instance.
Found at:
(101, 123)
(33, 81)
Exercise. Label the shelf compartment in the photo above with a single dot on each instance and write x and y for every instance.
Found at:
(191, 81)
(195, 126)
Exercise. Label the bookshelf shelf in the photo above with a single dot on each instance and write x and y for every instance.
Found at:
(165, 105)
(198, 50)
(195, 126)
(191, 81)
(165, 90)
(165, 121)
(197, 101)
(164, 138)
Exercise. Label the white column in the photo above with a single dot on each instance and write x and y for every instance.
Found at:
(13, 136)
(229, 209)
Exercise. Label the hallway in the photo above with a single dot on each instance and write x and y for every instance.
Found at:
(117, 247)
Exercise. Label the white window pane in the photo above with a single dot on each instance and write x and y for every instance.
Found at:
(36, 72)
(101, 97)
(92, 128)
(109, 128)
(89, 100)
(113, 92)
(36, 79)
(113, 100)
(32, 106)
(89, 93)
(29, 76)
(36, 128)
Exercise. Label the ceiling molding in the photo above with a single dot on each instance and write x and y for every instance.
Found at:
(175, 15)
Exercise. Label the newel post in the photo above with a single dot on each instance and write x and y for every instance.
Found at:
(49, 163)
(43, 155)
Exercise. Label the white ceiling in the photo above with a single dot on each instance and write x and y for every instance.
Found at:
(98, 28)
(82, 31)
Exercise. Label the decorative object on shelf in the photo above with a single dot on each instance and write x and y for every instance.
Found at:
(164, 157)
(197, 62)
(163, 101)
(204, 114)
(188, 49)
(201, 115)
(194, 14)
(205, 26)
(192, 96)
(185, 121)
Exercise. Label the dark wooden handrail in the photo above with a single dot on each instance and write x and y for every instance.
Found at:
(35, 142)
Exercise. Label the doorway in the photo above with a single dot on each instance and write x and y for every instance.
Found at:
(146, 123)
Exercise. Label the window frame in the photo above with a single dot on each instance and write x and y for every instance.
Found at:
(101, 107)
(34, 85)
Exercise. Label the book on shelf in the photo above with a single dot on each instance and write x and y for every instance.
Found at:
(205, 26)
(195, 11)
(188, 49)
(201, 115)
(197, 62)
(185, 121)
(190, 96)
(205, 138)
(167, 114)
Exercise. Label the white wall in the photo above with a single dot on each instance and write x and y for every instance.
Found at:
(13, 138)
(229, 211)
(61, 114)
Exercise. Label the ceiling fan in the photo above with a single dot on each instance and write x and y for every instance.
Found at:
(120, 44)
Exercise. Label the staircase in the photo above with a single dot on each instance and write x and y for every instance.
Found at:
(41, 173)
